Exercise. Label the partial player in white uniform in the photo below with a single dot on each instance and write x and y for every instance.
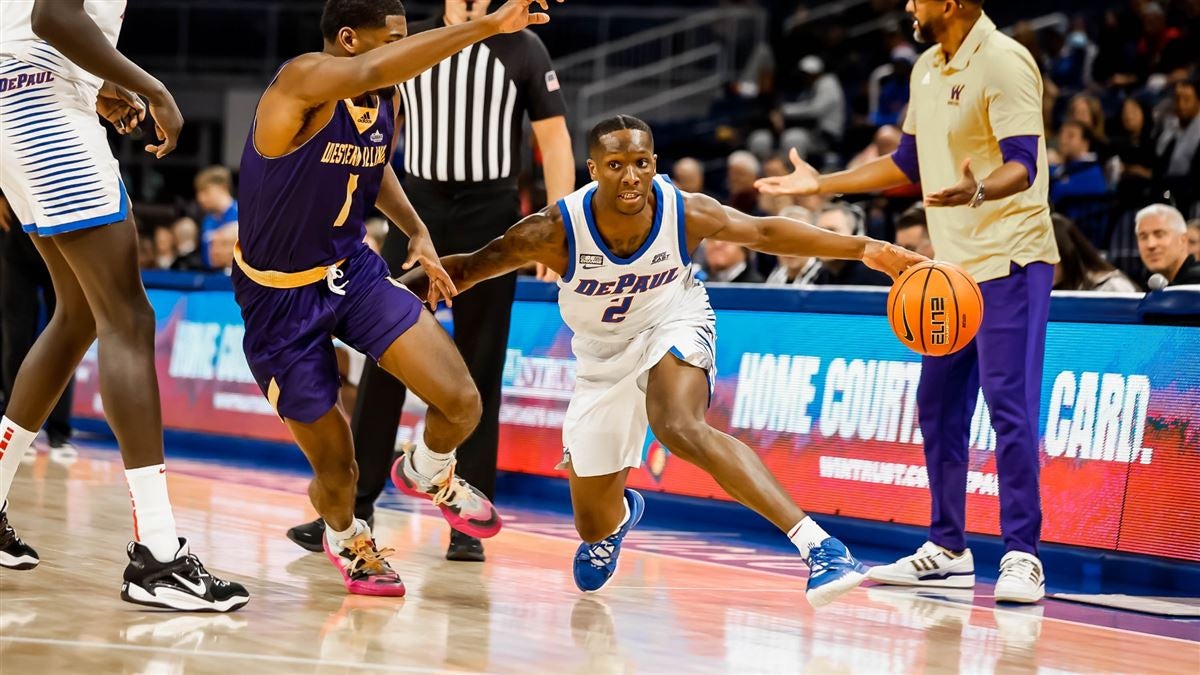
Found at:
(52, 137)
(645, 339)
(59, 67)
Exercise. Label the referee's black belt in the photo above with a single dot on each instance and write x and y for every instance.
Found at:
(452, 189)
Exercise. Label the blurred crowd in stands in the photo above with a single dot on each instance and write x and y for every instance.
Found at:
(1122, 115)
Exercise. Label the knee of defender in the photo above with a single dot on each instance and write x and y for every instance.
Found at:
(337, 470)
(467, 407)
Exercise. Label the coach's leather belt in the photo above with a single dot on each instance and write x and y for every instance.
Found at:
(273, 279)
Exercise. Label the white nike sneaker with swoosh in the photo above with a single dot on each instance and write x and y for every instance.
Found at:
(931, 566)
(181, 584)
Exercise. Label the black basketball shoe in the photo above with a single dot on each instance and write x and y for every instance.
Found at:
(311, 535)
(182, 584)
(14, 553)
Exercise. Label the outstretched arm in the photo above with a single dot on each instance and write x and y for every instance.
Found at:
(539, 238)
(316, 79)
(880, 174)
(707, 219)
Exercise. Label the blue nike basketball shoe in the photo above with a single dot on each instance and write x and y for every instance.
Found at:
(833, 571)
(596, 563)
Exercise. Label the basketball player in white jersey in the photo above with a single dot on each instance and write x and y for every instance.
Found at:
(58, 67)
(645, 340)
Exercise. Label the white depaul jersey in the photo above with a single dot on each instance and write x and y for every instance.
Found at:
(606, 297)
(18, 41)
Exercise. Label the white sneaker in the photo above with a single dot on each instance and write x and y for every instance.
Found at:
(1021, 578)
(931, 565)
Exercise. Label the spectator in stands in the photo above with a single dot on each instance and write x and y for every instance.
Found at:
(889, 93)
(1081, 267)
(220, 248)
(912, 231)
(187, 253)
(1177, 146)
(1163, 244)
(795, 270)
(742, 169)
(1086, 109)
(164, 247)
(1080, 174)
(845, 219)
(1134, 149)
(1156, 39)
(214, 195)
(1071, 66)
(812, 121)
(146, 256)
(729, 262)
(886, 140)
(772, 205)
(1193, 235)
(688, 175)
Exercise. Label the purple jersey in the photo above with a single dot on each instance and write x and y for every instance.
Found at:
(307, 208)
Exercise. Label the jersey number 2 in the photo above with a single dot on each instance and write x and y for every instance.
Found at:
(616, 313)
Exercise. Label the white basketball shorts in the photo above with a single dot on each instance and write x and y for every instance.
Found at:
(605, 427)
(56, 168)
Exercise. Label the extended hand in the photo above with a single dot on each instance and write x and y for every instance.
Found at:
(803, 181)
(889, 258)
(122, 108)
(168, 122)
(958, 194)
(514, 16)
(441, 287)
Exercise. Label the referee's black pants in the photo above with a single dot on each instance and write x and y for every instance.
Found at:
(23, 275)
(461, 218)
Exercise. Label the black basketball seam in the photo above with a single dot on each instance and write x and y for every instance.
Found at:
(953, 295)
(899, 292)
(924, 289)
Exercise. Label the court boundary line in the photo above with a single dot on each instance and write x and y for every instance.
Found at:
(295, 660)
(892, 589)
(516, 525)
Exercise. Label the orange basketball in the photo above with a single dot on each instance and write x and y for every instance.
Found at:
(935, 308)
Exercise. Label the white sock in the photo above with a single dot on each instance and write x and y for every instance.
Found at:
(14, 443)
(625, 503)
(806, 535)
(153, 521)
(336, 537)
(429, 463)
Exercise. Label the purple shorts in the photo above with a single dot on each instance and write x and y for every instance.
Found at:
(289, 332)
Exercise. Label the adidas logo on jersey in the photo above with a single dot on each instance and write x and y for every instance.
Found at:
(661, 257)
(366, 118)
(590, 261)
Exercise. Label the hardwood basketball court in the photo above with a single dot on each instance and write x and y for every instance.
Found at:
(667, 611)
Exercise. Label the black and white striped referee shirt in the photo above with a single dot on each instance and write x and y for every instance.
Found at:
(463, 117)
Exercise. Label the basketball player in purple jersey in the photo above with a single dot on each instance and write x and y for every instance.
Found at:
(645, 341)
(316, 161)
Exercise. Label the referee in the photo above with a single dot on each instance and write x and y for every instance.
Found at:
(976, 109)
(462, 156)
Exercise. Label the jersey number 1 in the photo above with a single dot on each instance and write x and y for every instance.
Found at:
(351, 186)
(616, 313)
